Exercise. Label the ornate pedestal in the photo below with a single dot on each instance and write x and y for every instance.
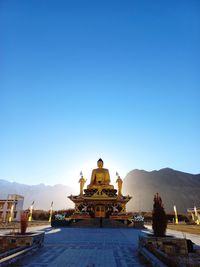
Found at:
(96, 203)
(100, 199)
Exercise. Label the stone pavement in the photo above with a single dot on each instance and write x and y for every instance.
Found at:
(84, 247)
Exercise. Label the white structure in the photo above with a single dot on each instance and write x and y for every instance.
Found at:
(11, 208)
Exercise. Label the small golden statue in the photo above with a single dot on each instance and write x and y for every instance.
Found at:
(119, 183)
(82, 183)
(100, 178)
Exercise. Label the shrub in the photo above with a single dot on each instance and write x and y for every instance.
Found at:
(67, 212)
(41, 215)
(159, 218)
(23, 222)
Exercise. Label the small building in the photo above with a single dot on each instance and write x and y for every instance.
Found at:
(11, 208)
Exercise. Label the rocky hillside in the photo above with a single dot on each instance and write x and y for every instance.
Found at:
(175, 187)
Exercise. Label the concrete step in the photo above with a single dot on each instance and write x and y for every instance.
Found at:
(95, 223)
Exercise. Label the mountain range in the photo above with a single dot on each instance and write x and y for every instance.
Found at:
(175, 188)
(41, 194)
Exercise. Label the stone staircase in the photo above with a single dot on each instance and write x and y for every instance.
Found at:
(108, 223)
(95, 223)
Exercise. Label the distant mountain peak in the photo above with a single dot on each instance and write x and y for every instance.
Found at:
(167, 169)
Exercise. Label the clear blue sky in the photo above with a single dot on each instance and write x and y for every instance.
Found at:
(81, 80)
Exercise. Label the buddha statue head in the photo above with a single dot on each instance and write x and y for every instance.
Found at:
(100, 163)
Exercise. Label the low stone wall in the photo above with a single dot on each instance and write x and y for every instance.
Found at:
(169, 245)
(169, 251)
(13, 241)
(16, 225)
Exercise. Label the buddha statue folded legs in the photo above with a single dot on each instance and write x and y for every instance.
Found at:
(100, 178)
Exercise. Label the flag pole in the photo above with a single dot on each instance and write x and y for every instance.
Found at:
(176, 215)
(51, 212)
(31, 212)
(196, 215)
(11, 213)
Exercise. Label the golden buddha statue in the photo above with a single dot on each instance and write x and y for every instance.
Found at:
(82, 183)
(119, 182)
(100, 178)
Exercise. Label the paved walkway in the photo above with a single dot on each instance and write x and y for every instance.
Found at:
(76, 247)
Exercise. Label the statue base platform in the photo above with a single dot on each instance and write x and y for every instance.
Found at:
(99, 203)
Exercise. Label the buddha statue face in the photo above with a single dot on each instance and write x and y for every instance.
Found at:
(100, 163)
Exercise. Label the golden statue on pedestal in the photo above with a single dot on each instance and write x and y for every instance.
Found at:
(119, 183)
(100, 199)
(82, 182)
(100, 178)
